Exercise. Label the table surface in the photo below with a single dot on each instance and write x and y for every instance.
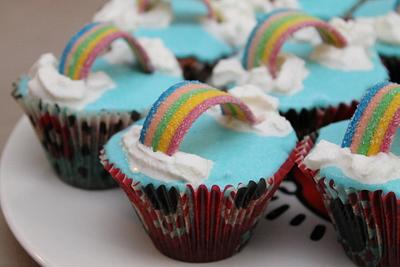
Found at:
(30, 28)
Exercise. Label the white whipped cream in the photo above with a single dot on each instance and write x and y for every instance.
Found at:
(289, 79)
(160, 56)
(387, 28)
(378, 169)
(360, 36)
(238, 20)
(179, 167)
(267, 5)
(265, 109)
(125, 15)
(50, 86)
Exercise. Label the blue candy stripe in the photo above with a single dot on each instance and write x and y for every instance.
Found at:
(71, 43)
(365, 100)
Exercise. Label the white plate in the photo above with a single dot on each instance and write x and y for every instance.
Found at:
(63, 226)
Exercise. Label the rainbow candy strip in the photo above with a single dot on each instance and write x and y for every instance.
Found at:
(268, 37)
(178, 107)
(89, 42)
(375, 122)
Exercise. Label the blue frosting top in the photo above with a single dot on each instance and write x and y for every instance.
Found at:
(238, 157)
(334, 133)
(326, 9)
(189, 40)
(188, 9)
(325, 86)
(135, 90)
(388, 49)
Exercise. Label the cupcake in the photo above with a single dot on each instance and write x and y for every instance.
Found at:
(76, 103)
(200, 198)
(359, 177)
(316, 82)
(198, 32)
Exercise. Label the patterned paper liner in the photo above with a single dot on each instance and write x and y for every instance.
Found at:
(195, 70)
(303, 177)
(309, 120)
(199, 225)
(392, 64)
(367, 223)
(72, 140)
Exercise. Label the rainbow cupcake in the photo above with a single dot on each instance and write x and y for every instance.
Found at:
(316, 82)
(198, 32)
(359, 177)
(200, 198)
(76, 103)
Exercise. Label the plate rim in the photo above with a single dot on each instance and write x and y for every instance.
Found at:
(5, 210)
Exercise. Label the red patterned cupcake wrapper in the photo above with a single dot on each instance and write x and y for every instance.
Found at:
(367, 223)
(304, 178)
(72, 140)
(308, 121)
(200, 224)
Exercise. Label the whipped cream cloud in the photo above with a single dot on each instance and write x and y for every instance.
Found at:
(50, 86)
(161, 57)
(387, 28)
(378, 169)
(360, 36)
(289, 80)
(125, 15)
(267, 5)
(237, 22)
(265, 109)
(179, 167)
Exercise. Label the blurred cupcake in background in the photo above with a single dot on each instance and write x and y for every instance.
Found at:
(317, 81)
(77, 102)
(359, 177)
(198, 32)
(202, 166)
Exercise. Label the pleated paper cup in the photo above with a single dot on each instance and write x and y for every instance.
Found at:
(304, 177)
(199, 224)
(366, 222)
(72, 140)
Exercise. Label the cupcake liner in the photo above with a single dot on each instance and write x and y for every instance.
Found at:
(72, 140)
(392, 64)
(195, 70)
(309, 120)
(367, 223)
(308, 193)
(199, 224)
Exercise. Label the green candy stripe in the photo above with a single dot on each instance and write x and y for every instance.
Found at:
(373, 124)
(83, 46)
(270, 32)
(171, 112)
(232, 109)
